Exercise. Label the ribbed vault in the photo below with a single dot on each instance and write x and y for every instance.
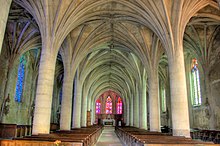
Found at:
(117, 45)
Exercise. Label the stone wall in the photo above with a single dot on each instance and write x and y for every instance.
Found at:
(206, 116)
(200, 118)
(3, 68)
(20, 112)
(215, 95)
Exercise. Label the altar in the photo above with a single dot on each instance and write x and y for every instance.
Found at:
(108, 122)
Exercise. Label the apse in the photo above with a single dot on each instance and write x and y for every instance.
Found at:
(109, 108)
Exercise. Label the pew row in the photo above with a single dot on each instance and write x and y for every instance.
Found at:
(74, 137)
(13, 130)
(35, 143)
(132, 136)
(206, 135)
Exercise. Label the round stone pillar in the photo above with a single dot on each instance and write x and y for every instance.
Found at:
(66, 106)
(143, 107)
(136, 115)
(127, 108)
(131, 111)
(43, 101)
(179, 103)
(154, 102)
(77, 105)
(84, 112)
(4, 11)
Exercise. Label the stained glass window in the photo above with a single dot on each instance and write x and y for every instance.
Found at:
(20, 79)
(119, 106)
(196, 92)
(108, 105)
(60, 95)
(98, 106)
(163, 100)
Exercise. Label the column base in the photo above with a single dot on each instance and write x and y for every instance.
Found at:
(144, 128)
(181, 132)
(155, 130)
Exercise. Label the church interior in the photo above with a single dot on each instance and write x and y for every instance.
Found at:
(145, 70)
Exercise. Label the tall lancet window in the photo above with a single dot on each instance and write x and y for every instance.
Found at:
(108, 105)
(98, 106)
(163, 99)
(119, 106)
(196, 92)
(60, 95)
(20, 79)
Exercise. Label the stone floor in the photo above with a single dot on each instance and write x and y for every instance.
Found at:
(109, 138)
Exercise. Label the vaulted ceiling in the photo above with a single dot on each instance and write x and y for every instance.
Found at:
(114, 44)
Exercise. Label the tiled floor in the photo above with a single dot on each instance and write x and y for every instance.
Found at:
(109, 138)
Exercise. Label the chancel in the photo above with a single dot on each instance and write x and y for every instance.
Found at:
(109, 109)
(139, 72)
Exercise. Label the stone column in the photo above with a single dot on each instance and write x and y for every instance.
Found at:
(74, 96)
(89, 108)
(4, 11)
(124, 112)
(92, 113)
(143, 107)
(154, 102)
(77, 105)
(136, 109)
(43, 102)
(131, 111)
(88, 103)
(179, 103)
(127, 108)
(84, 111)
(66, 106)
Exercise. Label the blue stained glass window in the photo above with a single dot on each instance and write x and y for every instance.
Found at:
(20, 79)
(60, 95)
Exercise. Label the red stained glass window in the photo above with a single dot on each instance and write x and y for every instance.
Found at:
(108, 105)
(98, 106)
(119, 106)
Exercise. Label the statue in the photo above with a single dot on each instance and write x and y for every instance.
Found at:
(5, 107)
(58, 116)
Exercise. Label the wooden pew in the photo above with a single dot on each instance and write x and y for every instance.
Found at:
(8, 130)
(23, 130)
(206, 135)
(35, 143)
(92, 132)
(85, 136)
(132, 136)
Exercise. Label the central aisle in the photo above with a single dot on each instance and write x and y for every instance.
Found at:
(109, 138)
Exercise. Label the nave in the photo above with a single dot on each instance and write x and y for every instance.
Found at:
(77, 63)
(109, 138)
